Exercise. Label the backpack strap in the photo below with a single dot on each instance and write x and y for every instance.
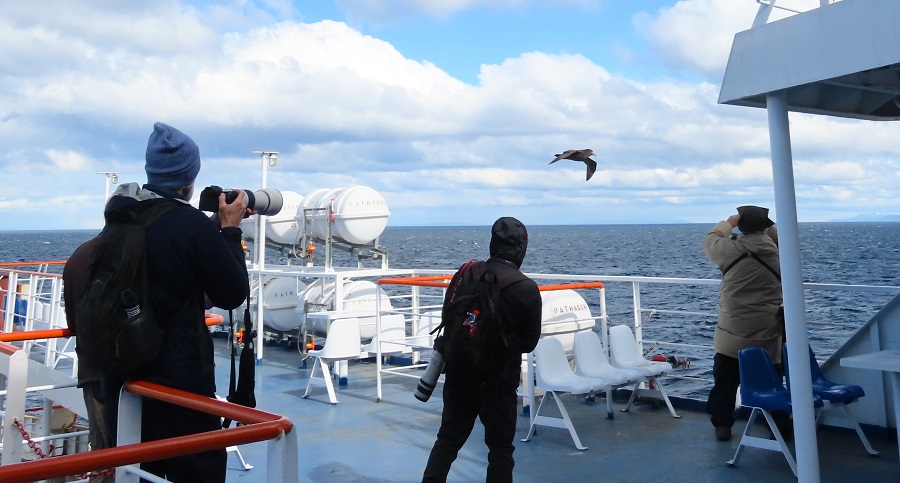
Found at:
(760, 260)
(735, 262)
(502, 280)
(755, 257)
(450, 296)
(148, 217)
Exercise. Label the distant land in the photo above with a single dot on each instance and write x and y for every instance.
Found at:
(873, 217)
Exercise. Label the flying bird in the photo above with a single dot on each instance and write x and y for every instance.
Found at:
(583, 155)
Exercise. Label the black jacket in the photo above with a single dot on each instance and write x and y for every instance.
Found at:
(188, 257)
(520, 303)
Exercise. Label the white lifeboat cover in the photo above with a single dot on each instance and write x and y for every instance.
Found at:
(564, 312)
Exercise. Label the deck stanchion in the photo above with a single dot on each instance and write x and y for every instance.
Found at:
(14, 364)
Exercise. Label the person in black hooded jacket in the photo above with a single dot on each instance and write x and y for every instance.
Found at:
(188, 256)
(491, 396)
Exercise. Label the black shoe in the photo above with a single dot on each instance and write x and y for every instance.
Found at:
(723, 433)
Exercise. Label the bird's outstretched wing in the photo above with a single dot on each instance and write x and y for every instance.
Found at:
(564, 155)
(591, 168)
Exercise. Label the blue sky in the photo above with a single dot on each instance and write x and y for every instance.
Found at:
(451, 109)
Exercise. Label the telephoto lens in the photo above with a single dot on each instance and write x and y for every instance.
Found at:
(429, 380)
(267, 201)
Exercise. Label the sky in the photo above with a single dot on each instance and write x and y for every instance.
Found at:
(450, 109)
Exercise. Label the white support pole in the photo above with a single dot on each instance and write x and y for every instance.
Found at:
(636, 297)
(268, 158)
(341, 371)
(792, 288)
(604, 321)
(377, 338)
(11, 297)
(529, 387)
(15, 367)
(281, 458)
(128, 430)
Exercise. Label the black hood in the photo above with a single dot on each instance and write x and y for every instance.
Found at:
(130, 200)
(125, 209)
(509, 240)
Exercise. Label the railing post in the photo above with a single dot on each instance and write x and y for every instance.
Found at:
(128, 429)
(282, 459)
(14, 363)
(11, 288)
(636, 297)
(528, 388)
(416, 315)
(377, 338)
(604, 320)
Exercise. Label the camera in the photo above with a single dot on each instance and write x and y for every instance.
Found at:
(266, 201)
(428, 381)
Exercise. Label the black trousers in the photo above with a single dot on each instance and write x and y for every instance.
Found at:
(163, 420)
(723, 395)
(466, 396)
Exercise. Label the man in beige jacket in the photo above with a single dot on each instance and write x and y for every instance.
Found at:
(749, 298)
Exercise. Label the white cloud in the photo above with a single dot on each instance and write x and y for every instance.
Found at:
(344, 108)
(697, 34)
(68, 160)
(387, 11)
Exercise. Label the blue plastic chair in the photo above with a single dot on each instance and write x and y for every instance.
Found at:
(762, 390)
(835, 396)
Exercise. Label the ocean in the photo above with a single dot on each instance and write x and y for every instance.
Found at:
(842, 253)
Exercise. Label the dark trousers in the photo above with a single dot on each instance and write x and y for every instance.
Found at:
(162, 420)
(99, 433)
(723, 395)
(465, 398)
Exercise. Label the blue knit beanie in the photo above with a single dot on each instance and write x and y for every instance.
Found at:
(173, 159)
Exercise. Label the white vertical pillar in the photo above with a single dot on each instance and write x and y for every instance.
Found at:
(792, 288)
(282, 464)
(14, 363)
(260, 246)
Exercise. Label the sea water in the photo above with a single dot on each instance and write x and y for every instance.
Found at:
(840, 253)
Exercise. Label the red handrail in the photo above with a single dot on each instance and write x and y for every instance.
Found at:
(34, 335)
(27, 264)
(259, 426)
(430, 281)
(8, 349)
(423, 281)
(211, 319)
(570, 286)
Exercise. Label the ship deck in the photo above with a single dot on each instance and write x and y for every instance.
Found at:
(361, 440)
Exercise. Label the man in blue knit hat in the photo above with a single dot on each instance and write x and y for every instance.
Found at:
(188, 255)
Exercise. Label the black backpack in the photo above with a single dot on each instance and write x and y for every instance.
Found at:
(474, 335)
(118, 332)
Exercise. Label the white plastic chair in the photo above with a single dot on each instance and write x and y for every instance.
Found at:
(554, 375)
(341, 344)
(625, 353)
(591, 361)
(393, 328)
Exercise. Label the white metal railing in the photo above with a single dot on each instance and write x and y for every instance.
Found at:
(14, 364)
(634, 303)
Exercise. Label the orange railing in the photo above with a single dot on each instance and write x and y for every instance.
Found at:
(211, 319)
(444, 280)
(26, 264)
(258, 426)
(423, 281)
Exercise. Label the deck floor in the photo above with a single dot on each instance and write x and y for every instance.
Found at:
(361, 440)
